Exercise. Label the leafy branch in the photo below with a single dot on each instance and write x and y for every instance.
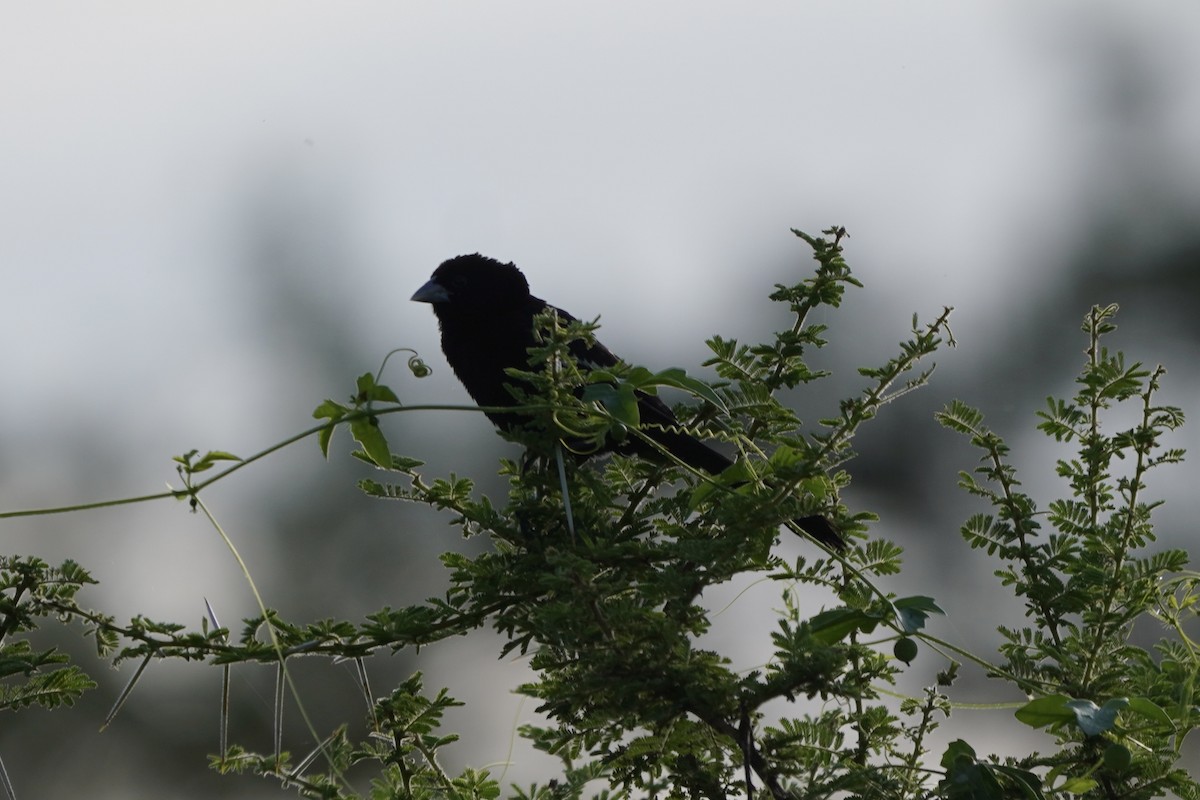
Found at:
(597, 574)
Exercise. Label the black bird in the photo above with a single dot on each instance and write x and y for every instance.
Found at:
(486, 315)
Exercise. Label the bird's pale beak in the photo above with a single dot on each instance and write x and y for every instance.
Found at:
(431, 292)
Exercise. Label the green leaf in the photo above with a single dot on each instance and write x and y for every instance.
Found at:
(1077, 785)
(620, 401)
(383, 394)
(957, 750)
(1151, 711)
(333, 412)
(785, 459)
(968, 778)
(366, 432)
(323, 438)
(913, 611)
(1027, 782)
(1059, 709)
(330, 410)
(829, 627)
(1043, 711)
(676, 377)
(210, 459)
(370, 391)
(365, 383)
(1117, 757)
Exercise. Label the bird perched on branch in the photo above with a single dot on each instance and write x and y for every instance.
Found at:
(486, 315)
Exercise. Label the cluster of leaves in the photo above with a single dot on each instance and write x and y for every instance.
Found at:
(1121, 713)
(597, 570)
(30, 591)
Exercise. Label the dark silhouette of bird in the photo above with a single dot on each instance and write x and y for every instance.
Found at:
(486, 315)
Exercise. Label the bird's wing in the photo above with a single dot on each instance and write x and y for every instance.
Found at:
(594, 355)
(657, 419)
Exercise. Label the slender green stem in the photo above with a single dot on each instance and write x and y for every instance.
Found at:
(182, 494)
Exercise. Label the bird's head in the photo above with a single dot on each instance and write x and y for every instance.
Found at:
(473, 281)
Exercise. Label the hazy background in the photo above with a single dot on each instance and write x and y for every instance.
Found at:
(213, 219)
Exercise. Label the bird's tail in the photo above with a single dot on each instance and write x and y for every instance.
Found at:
(822, 530)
